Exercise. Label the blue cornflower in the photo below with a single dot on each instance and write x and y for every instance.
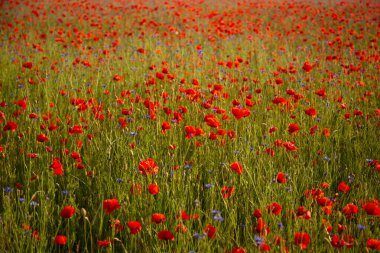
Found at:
(208, 186)
(199, 236)
(8, 189)
(360, 227)
(258, 240)
(218, 218)
(34, 204)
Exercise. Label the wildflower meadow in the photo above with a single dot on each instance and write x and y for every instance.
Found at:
(190, 126)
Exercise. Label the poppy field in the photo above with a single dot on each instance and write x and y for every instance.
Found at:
(189, 126)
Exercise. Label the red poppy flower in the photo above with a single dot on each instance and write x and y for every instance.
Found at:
(122, 122)
(36, 235)
(281, 177)
(237, 167)
(293, 128)
(212, 121)
(358, 113)
(270, 151)
(213, 136)
(33, 116)
(349, 210)
(231, 134)
(180, 228)
(134, 226)
(42, 138)
(75, 155)
(343, 187)
(183, 216)
(240, 112)
(372, 208)
(221, 132)
(195, 82)
(27, 65)
(117, 226)
(67, 212)
(290, 146)
(279, 81)
(336, 242)
(321, 93)
(227, 192)
(60, 240)
(327, 210)
(311, 112)
(272, 129)
(104, 243)
(148, 167)
(373, 243)
(165, 126)
(153, 189)
(158, 218)
(199, 131)
(165, 235)
(324, 201)
(76, 129)
(210, 231)
(279, 100)
(264, 247)
(274, 208)
(110, 205)
(10, 126)
(302, 239)
(325, 185)
(117, 78)
(160, 75)
(302, 212)
(307, 67)
(21, 103)
(190, 131)
(261, 227)
(257, 213)
(238, 250)
(313, 129)
(57, 167)
(326, 132)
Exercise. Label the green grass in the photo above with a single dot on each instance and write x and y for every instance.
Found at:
(190, 177)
